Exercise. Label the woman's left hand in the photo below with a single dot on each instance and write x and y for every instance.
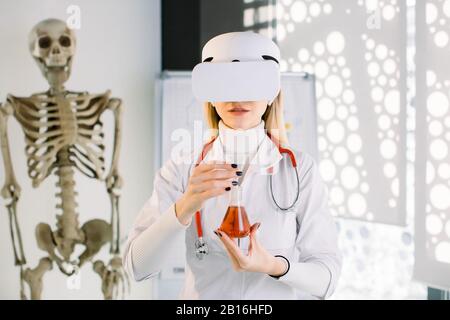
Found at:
(258, 258)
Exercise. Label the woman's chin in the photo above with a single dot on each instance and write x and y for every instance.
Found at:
(237, 123)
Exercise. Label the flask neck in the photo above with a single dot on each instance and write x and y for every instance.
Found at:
(236, 196)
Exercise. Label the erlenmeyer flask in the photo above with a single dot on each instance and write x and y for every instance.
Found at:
(235, 223)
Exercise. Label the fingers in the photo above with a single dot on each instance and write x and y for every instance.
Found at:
(254, 228)
(232, 247)
(252, 237)
(204, 167)
(233, 259)
(213, 184)
(213, 179)
(212, 193)
(221, 174)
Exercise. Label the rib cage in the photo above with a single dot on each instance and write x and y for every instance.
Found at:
(52, 123)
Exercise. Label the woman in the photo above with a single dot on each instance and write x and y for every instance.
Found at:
(291, 249)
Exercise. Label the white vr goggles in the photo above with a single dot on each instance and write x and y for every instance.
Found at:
(237, 66)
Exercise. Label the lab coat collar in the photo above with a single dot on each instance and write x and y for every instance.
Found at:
(241, 143)
(265, 158)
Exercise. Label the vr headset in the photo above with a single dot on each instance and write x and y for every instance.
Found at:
(237, 66)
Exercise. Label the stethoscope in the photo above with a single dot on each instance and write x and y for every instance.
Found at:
(201, 247)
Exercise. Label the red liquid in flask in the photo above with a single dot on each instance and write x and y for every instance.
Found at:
(235, 223)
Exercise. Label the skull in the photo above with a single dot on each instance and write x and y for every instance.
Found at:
(52, 44)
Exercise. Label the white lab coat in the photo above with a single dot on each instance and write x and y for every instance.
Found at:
(304, 234)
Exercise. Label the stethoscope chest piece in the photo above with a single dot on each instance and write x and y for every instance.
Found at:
(201, 248)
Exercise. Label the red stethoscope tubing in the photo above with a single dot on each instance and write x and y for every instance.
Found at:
(207, 147)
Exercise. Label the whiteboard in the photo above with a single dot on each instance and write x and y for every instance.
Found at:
(177, 112)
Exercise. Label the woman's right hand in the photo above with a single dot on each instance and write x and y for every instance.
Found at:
(207, 181)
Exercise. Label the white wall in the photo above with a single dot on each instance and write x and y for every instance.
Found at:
(119, 48)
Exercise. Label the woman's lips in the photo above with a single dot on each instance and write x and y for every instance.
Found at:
(238, 112)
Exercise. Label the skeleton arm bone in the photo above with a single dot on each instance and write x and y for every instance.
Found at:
(11, 189)
(115, 105)
(113, 179)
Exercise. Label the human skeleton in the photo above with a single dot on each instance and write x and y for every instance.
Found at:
(63, 132)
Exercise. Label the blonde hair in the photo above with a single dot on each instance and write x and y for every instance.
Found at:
(273, 118)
